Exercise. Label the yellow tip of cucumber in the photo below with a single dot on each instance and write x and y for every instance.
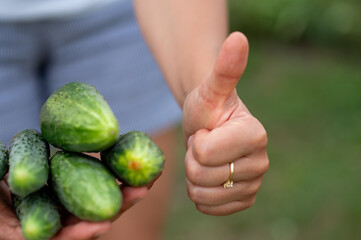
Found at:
(21, 176)
(31, 229)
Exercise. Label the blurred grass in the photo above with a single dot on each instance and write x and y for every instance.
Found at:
(303, 82)
(332, 22)
(309, 100)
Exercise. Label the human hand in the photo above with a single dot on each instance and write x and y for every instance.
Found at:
(73, 229)
(218, 129)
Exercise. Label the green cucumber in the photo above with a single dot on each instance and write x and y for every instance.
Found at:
(77, 118)
(29, 162)
(4, 160)
(84, 186)
(38, 215)
(135, 159)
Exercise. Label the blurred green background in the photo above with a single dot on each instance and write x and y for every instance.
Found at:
(303, 82)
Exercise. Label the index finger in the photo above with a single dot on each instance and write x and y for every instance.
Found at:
(132, 195)
(234, 139)
(83, 230)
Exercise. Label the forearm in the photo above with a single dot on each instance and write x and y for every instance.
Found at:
(185, 37)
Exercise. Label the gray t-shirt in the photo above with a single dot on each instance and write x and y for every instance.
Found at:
(29, 10)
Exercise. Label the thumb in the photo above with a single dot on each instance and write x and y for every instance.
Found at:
(229, 67)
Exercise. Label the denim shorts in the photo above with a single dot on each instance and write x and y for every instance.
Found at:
(103, 48)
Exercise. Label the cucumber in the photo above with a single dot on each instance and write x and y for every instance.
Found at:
(28, 160)
(135, 159)
(77, 118)
(38, 215)
(84, 186)
(4, 160)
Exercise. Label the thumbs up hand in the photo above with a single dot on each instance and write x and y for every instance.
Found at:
(219, 130)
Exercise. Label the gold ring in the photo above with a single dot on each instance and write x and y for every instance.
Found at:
(229, 182)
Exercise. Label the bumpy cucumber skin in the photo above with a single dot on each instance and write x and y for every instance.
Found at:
(77, 118)
(84, 186)
(29, 162)
(135, 159)
(4, 160)
(38, 215)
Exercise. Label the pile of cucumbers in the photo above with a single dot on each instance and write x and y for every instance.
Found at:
(75, 119)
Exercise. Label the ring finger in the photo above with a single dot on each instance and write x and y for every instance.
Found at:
(245, 168)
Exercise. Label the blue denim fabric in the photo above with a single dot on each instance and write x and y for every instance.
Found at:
(103, 48)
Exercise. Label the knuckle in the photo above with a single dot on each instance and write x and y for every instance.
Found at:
(257, 136)
(250, 202)
(248, 190)
(194, 194)
(262, 167)
(253, 187)
(257, 185)
(265, 165)
(193, 172)
(260, 138)
(200, 152)
(204, 210)
(263, 139)
(213, 210)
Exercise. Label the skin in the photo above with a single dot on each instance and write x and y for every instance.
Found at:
(73, 228)
(219, 129)
(202, 66)
(155, 205)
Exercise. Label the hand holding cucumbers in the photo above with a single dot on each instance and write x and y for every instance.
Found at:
(76, 118)
(72, 227)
